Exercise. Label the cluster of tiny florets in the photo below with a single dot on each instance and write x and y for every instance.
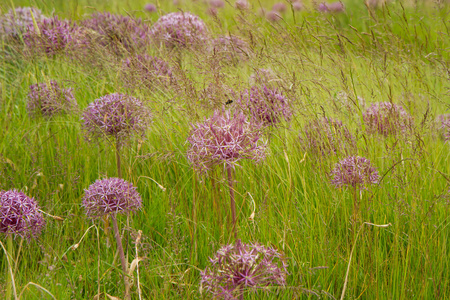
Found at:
(20, 215)
(444, 126)
(328, 136)
(16, 21)
(49, 99)
(116, 115)
(146, 70)
(179, 29)
(225, 138)
(110, 196)
(267, 105)
(52, 36)
(386, 118)
(354, 171)
(334, 7)
(243, 267)
(118, 32)
(230, 48)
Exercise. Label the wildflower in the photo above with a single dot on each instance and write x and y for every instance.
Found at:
(266, 105)
(121, 33)
(444, 126)
(242, 4)
(16, 21)
(146, 70)
(217, 3)
(116, 115)
(49, 99)
(230, 48)
(334, 7)
(224, 139)
(273, 16)
(20, 215)
(297, 5)
(327, 136)
(386, 118)
(110, 196)
(150, 7)
(354, 171)
(52, 36)
(279, 7)
(240, 267)
(179, 29)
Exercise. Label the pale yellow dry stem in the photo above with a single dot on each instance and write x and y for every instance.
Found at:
(38, 286)
(13, 284)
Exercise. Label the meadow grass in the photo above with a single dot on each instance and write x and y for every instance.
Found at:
(397, 53)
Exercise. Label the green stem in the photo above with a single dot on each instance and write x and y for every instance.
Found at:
(119, 169)
(122, 257)
(232, 202)
(9, 283)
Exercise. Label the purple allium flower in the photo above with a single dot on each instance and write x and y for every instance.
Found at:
(334, 7)
(230, 48)
(444, 126)
(49, 99)
(242, 4)
(273, 16)
(224, 139)
(118, 32)
(116, 115)
(327, 136)
(16, 21)
(110, 196)
(355, 171)
(147, 71)
(240, 267)
(279, 7)
(263, 77)
(297, 5)
(180, 29)
(386, 118)
(150, 7)
(266, 105)
(217, 3)
(54, 36)
(20, 215)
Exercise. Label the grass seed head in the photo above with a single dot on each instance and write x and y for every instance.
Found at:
(386, 118)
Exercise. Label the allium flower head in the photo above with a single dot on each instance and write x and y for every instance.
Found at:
(217, 3)
(230, 48)
(150, 7)
(266, 105)
(240, 267)
(147, 71)
(224, 138)
(354, 171)
(116, 115)
(279, 7)
(444, 126)
(120, 33)
(110, 196)
(49, 99)
(16, 21)
(273, 16)
(242, 4)
(179, 29)
(334, 7)
(20, 215)
(386, 118)
(297, 5)
(327, 136)
(54, 36)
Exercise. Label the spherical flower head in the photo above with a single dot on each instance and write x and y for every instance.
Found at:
(150, 7)
(297, 5)
(217, 3)
(110, 196)
(49, 99)
(266, 105)
(327, 136)
(444, 126)
(115, 115)
(121, 33)
(336, 7)
(242, 4)
(239, 267)
(20, 215)
(354, 171)
(279, 7)
(273, 16)
(323, 7)
(180, 29)
(146, 70)
(386, 118)
(16, 21)
(230, 48)
(225, 138)
(52, 36)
